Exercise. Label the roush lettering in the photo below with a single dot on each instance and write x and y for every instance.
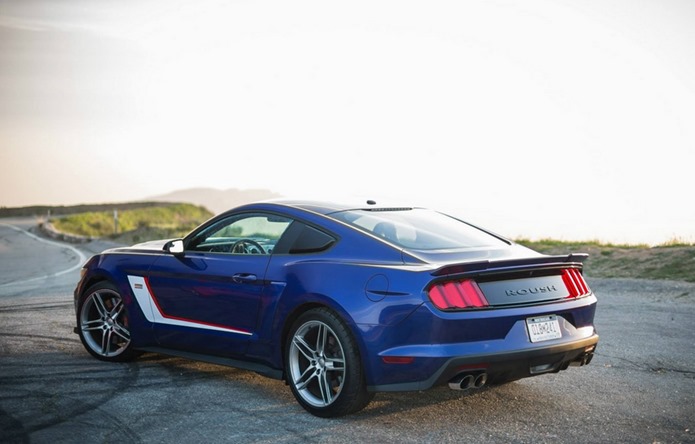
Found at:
(532, 290)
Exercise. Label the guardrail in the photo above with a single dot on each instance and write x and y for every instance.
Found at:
(50, 231)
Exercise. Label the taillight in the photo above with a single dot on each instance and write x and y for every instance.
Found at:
(575, 283)
(457, 295)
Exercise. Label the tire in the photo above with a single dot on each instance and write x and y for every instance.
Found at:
(103, 324)
(323, 366)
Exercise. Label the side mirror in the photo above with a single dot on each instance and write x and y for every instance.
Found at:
(174, 247)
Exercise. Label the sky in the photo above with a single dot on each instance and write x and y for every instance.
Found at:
(564, 119)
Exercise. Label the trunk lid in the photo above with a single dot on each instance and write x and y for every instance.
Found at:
(507, 282)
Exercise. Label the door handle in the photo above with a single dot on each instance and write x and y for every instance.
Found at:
(244, 278)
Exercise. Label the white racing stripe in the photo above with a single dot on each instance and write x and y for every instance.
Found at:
(152, 312)
(82, 258)
(142, 295)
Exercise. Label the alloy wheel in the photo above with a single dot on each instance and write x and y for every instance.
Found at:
(317, 363)
(104, 323)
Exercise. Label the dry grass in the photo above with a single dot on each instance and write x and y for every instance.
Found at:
(675, 261)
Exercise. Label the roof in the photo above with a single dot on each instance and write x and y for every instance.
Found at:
(328, 207)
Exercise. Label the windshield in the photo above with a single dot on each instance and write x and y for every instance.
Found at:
(419, 229)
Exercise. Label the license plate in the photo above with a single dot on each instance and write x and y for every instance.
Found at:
(543, 328)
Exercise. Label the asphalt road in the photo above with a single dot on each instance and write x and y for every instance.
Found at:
(639, 388)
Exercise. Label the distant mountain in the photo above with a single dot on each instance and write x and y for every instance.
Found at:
(216, 200)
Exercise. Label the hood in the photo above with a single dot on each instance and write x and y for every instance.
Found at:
(155, 245)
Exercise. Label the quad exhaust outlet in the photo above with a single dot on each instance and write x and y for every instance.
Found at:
(466, 381)
(583, 360)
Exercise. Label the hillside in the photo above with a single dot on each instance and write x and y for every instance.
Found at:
(216, 200)
(62, 210)
(142, 221)
(213, 199)
(676, 262)
(135, 225)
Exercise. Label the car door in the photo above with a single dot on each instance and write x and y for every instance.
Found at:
(207, 300)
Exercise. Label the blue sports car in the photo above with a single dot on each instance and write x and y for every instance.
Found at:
(342, 302)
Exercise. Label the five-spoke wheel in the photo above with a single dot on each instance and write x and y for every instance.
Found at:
(323, 366)
(102, 321)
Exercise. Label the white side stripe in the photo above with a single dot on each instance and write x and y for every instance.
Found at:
(142, 295)
(145, 300)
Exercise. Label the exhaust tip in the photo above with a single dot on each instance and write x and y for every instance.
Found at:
(582, 360)
(480, 380)
(461, 382)
(468, 381)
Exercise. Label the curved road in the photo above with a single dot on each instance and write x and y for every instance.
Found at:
(28, 258)
(639, 388)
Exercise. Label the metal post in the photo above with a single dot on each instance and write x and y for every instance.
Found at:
(115, 221)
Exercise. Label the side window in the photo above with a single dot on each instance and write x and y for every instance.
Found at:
(303, 239)
(250, 233)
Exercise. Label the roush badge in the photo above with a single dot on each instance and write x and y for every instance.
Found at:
(524, 291)
(532, 290)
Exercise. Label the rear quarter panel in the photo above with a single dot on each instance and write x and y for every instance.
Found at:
(369, 297)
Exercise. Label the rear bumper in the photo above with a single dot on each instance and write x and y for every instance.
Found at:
(503, 366)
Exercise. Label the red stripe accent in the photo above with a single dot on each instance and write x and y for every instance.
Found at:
(176, 318)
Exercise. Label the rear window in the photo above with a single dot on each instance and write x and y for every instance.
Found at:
(311, 240)
(419, 229)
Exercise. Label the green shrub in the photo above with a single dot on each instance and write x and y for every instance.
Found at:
(174, 220)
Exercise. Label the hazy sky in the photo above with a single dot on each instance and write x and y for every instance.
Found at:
(571, 119)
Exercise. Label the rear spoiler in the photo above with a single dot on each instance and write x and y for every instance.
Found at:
(574, 259)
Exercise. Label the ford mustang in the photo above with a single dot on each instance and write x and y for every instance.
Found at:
(342, 301)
